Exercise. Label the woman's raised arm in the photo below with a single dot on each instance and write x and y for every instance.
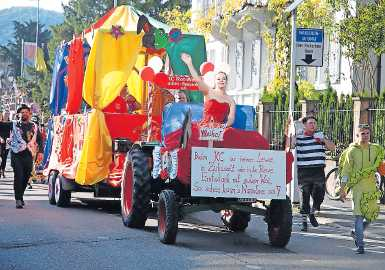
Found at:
(203, 87)
(231, 116)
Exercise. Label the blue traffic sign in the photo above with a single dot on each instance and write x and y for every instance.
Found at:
(309, 35)
(309, 47)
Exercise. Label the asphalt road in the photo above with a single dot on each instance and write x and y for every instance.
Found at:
(90, 235)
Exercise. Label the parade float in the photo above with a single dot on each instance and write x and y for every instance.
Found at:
(159, 155)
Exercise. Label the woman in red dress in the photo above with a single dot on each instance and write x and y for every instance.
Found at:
(219, 111)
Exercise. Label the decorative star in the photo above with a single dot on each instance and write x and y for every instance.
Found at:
(116, 31)
(175, 35)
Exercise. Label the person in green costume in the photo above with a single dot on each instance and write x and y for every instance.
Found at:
(359, 164)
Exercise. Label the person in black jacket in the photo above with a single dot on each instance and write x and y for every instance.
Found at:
(4, 136)
(25, 141)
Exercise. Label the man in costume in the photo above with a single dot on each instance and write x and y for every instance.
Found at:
(359, 163)
(310, 146)
(25, 143)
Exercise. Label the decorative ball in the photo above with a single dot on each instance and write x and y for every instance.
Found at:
(206, 67)
(161, 79)
(147, 74)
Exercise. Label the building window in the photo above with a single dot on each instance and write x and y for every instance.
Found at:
(239, 65)
(256, 64)
(211, 55)
(335, 61)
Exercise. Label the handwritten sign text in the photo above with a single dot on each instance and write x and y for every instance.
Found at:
(238, 173)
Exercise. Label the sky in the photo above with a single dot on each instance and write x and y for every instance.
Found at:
(45, 4)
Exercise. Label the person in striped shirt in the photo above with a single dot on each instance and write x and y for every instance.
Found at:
(311, 146)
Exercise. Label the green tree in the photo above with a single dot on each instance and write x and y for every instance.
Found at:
(363, 36)
(154, 8)
(178, 18)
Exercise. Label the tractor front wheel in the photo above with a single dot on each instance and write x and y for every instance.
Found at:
(167, 217)
(136, 189)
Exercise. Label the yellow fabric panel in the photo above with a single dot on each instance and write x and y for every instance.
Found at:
(108, 54)
(136, 87)
(109, 65)
(123, 16)
(112, 84)
(97, 151)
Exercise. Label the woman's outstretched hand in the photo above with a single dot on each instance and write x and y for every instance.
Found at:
(186, 58)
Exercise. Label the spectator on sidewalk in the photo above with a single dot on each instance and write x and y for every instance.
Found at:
(358, 164)
(4, 149)
(25, 143)
(310, 146)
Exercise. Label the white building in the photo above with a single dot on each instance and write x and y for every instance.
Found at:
(245, 55)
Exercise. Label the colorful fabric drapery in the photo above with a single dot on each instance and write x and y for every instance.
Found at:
(110, 63)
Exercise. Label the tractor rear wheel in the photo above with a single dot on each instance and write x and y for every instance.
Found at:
(279, 220)
(167, 217)
(136, 189)
(234, 220)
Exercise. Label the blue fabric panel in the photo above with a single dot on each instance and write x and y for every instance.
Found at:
(244, 117)
(47, 146)
(174, 115)
(59, 90)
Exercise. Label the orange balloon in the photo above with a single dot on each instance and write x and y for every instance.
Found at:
(381, 168)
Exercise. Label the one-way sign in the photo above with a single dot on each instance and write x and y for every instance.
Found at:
(309, 47)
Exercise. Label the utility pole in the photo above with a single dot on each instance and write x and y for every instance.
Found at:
(115, 3)
(37, 28)
(37, 37)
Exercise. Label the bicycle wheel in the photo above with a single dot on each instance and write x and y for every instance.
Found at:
(333, 184)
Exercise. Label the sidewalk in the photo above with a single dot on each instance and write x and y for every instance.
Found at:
(38, 191)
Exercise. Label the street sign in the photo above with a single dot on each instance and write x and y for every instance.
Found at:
(309, 47)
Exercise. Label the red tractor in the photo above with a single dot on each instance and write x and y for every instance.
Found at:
(155, 178)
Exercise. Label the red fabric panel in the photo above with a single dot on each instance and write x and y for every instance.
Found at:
(75, 77)
(119, 105)
(124, 125)
(67, 144)
(289, 164)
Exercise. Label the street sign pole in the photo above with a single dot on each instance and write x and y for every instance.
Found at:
(294, 194)
(293, 67)
(292, 9)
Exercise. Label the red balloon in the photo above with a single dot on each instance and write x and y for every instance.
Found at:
(147, 74)
(206, 67)
(161, 79)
